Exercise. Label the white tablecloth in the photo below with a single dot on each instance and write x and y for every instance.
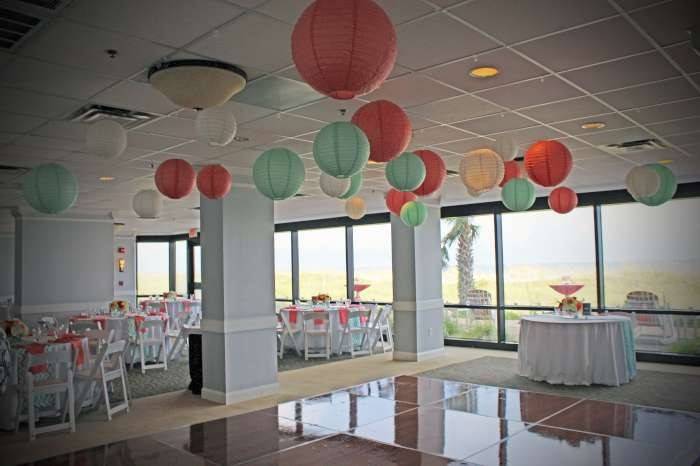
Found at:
(560, 350)
(317, 341)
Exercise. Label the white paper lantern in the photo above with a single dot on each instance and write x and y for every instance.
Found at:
(506, 147)
(642, 181)
(106, 139)
(215, 126)
(355, 207)
(147, 203)
(481, 170)
(332, 186)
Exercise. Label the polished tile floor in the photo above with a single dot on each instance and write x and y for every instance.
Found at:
(409, 420)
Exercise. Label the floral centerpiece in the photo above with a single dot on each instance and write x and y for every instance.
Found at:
(15, 328)
(169, 295)
(118, 305)
(320, 298)
(571, 305)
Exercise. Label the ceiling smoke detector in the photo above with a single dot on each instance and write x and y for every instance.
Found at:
(631, 147)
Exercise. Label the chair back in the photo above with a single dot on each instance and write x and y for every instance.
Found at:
(360, 318)
(82, 326)
(58, 363)
(120, 326)
(641, 300)
(317, 319)
(151, 328)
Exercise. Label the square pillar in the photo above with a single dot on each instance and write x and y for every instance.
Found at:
(417, 278)
(238, 306)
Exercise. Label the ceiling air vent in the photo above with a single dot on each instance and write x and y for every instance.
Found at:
(452, 173)
(127, 118)
(21, 18)
(631, 147)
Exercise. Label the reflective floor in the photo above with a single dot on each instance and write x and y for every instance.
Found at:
(410, 420)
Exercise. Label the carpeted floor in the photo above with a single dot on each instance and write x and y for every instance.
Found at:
(649, 388)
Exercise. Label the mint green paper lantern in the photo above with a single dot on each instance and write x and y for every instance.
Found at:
(667, 186)
(50, 188)
(341, 149)
(355, 185)
(278, 173)
(518, 194)
(413, 213)
(406, 172)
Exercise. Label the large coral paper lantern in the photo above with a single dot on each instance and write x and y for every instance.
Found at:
(175, 178)
(481, 170)
(387, 127)
(548, 163)
(435, 172)
(511, 171)
(562, 200)
(344, 48)
(214, 181)
(396, 199)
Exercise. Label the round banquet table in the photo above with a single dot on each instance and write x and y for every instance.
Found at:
(584, 351)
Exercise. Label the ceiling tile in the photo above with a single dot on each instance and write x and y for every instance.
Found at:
(573, 144)
(512, 68)
(611, 120)
(527, 136)
(271, 38)
(296, 145)
(634, 4)
(63, 130)
(669, 128)
(437, 39)
(163, 21)
(410, 90)
(245, 158)
(183, 128)
(615, 136)
(588, 153)
(134, 95)
(504, 121)
(435, 135)
(685, 56)
(277, 93)
(330, 110)
(528, 93)
(650, 94)
(669, 22)
(525, 20)
(653, 156)
(565, 110)
(47, 145)
(152, 141)
(242, 112)
(665, 112)
(685, 139)
(622, 73)
(30, 103)
(284, 10)
(68, 43)
(12, 123)
(283, 124)
(400, 11)
(455, 109)
(465, 145)
(595, 43)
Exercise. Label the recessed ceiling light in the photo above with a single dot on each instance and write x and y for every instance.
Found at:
(483, 72)
(665, 162)
(106, 178)
(593, 125)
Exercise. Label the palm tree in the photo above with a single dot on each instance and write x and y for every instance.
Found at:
(464, 233)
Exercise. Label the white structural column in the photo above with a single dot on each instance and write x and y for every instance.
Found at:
(417, 279)
(238, 306)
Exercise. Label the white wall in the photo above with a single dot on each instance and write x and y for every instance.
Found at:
(7, 266)
(125, 282)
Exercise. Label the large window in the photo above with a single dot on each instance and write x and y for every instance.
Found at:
(283, 265)
(322, 263)
(153, 268)
(372, 257)
(181, 267)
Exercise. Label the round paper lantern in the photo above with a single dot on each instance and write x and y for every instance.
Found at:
(642, 181)
(50, 188)
(435, 172)
(395, 200)
(147, 203)
(106, 138)
(506, 147)
(387, 128)
(214, 181)
(175, 178)
(562, 200)
(341, 149)
(481, 170)
(332, 186)
(548, 163)
(518, 194)
(406, 172)
(344, 49)
(667, 187)
(278, 173)
(215, 126)
(355, 185)
(511, 169)
(413, 213)
(355, 207)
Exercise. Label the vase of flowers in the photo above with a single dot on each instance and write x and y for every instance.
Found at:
(570, 305)
(15, 328)
(321, 298)
(118, 306)
(169, 295)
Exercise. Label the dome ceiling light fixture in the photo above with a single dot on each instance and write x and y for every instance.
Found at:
(197, 84)
(484, 72)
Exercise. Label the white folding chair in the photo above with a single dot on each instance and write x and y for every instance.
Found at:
(181, 340)
(286, 329)
(59, 366)
(317, 324)
(359, 322)
(108, 368)
(383, 332)
(151, 334)
(81, 326)
(97, 339)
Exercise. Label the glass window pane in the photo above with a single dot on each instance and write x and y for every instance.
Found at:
(322, 263)
(283, 265)
(372, 256)
(197, 256)
(543, 248)
(181, 267)
(153, 269)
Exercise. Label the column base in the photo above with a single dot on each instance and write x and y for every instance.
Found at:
(416, 357)
(239, 395)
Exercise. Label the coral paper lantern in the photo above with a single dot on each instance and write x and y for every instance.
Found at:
(642, 181)
(355, 207)
(147, 203)
(511, 169)
(355, 185)
(413, 213)
(548, 163)
(50, 188)
(214, 181)
(215, 126)
(435, 172)
(406, 172)
(562, 200)
(667, 187)
(344, 48)
(341, 149)
(106, 139)
(396, 199)
(481, 170)
(175, 178)
(278, 173)
(332, 186)
(387, 127)
(518, 194)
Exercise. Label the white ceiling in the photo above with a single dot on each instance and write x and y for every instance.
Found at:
(627, 63)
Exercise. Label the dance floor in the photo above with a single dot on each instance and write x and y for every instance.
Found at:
(409, 420)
